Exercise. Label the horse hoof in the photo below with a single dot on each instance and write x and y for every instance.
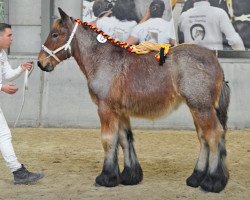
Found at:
(107, 180)
(195, 179)
(213, 183)
(132, 176)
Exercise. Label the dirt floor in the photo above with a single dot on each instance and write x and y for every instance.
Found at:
(72, 158)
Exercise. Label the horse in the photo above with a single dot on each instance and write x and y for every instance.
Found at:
(237, 10)
(123, 84)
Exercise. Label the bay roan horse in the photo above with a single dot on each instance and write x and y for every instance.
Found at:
(124, 84)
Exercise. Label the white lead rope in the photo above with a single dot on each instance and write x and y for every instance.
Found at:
(25, 87)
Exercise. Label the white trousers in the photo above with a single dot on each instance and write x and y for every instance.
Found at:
(6, 146)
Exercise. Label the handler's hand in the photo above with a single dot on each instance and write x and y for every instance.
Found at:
(9, 88)
(27, 65)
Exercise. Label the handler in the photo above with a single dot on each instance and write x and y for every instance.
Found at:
(21, 174)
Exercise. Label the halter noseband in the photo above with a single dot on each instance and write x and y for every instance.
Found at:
(65, 47)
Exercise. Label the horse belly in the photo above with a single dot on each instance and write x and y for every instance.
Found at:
(151, 106)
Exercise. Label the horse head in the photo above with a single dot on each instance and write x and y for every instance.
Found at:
(57, 46)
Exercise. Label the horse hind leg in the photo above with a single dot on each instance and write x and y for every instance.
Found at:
(110, 175)
(217, 175)
(200, 170)
(132, 173)
(210, 172)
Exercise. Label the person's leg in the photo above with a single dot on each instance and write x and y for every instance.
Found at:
(21, 174)
(6, 146)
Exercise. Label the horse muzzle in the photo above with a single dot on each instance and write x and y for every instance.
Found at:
(47, 68)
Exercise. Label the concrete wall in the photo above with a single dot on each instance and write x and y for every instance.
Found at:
(61, 99)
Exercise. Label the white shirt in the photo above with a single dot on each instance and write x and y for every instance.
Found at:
(156, 30)
(6, 72)
(118, 30)
(204, 24)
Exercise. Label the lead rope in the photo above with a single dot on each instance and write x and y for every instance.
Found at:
(25, 88)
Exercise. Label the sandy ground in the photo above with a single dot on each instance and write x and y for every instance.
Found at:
(72, 158)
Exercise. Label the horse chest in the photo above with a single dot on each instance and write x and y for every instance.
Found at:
(101, 83)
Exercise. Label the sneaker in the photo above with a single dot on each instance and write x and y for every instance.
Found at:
(23, 176)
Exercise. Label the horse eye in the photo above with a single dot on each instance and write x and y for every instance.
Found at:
(54, 35)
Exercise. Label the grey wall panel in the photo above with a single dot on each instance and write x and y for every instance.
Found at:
(25, 18)
(27, 39)
(72, 7)
(25, 12)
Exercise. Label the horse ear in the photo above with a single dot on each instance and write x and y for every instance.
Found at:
(64, 16)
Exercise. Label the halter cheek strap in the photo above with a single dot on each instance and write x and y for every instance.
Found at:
(65, 47)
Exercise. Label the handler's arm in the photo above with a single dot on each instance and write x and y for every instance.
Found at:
(232, 36)
(9, 73)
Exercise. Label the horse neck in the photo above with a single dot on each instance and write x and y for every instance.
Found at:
(83, 50)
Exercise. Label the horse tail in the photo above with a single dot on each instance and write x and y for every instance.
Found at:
(221, 111)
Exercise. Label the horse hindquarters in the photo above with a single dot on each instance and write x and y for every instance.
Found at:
(211, 172)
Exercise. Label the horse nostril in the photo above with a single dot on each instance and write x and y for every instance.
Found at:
(40, 66)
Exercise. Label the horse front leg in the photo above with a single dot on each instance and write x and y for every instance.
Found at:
(110, 175)
(132, 173)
